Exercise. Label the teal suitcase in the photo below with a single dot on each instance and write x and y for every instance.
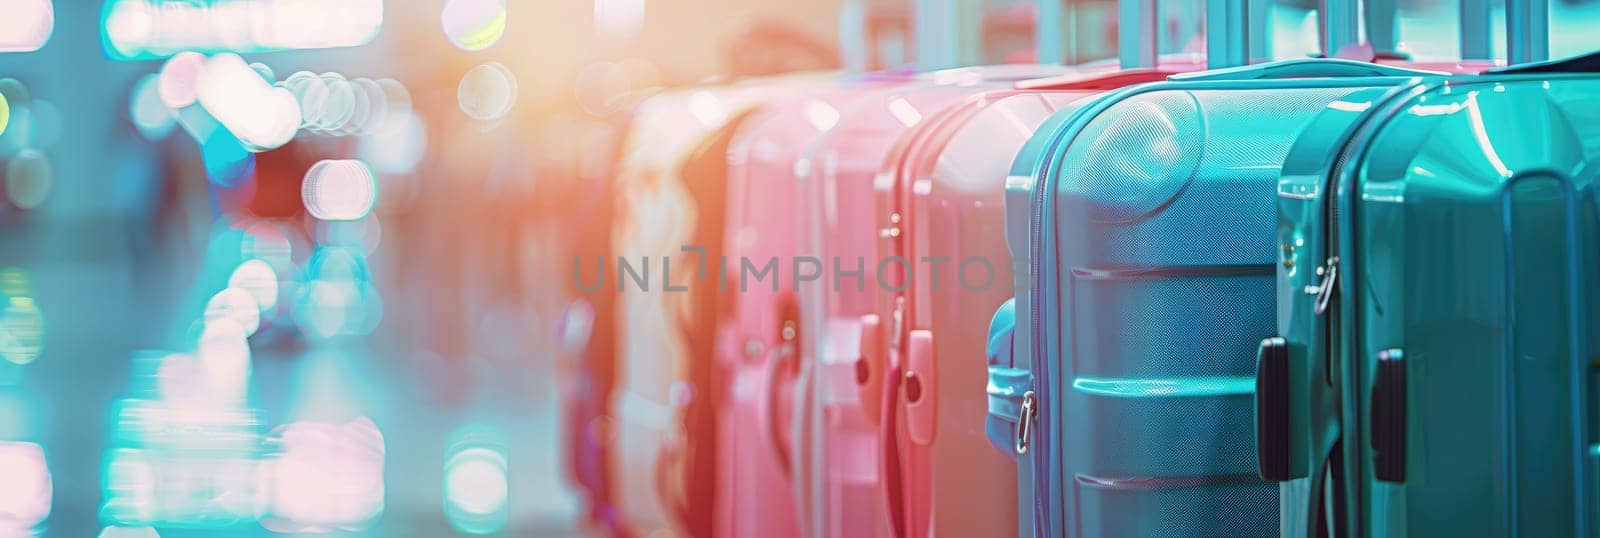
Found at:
(1438, 254)
(1147, 216)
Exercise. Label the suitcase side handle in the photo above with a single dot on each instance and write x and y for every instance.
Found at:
(1304, 68)
(1272, 410)
(782, 368)
(920, 387)
(1389, 417)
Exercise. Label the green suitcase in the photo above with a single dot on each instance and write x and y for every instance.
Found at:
(1440, 311)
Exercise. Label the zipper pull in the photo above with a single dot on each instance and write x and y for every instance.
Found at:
(1030, 407)
(1323, 290)
(897, 320)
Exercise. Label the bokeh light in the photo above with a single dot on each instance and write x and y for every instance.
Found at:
(256, 277)
(487, 92)
(333, 105)
(339, 190)
(140, 29)
(312, 94)
(267, 241)
(18, 123)
(265, 71)
(397, 146)
(340, 105)
(372, 106)
(147, 111)
(29, 178)
(21, 330)
(21, 322)
(361, 236)
(476, 483)
(338, 298)
(179, 76)
(5, 113)
(473, 24)
(260, 115)
(397, 101)
(324, 477)
(129, 532)
(619, 18)
(237, 305)
(25, 486)
(224, 357)
(27, 24)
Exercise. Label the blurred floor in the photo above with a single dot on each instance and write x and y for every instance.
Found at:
(99, 312)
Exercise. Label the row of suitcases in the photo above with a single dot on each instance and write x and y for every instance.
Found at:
(1309, 297)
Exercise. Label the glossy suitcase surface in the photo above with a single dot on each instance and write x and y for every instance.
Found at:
(952, 483)
(846, 482)
(1151, 231)
(1457, 240)
(941, 197)
(759, 348)
(843, 476)
(1299, 427)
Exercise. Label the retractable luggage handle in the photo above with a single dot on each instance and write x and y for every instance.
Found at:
(1527, 30)
(1305, 68)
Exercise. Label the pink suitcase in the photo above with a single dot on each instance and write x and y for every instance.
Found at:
(846, 479)
(759, 348)
(941, 195)
(663, 336)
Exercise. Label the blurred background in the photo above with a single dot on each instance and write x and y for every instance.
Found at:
(346, 320)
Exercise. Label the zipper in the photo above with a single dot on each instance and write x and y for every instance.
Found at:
(1323, 290)
(1041, 491)
(1025, 423)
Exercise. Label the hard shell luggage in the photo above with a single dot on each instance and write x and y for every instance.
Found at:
(665, 430)
(843, 478)
(1147, 222)
(940, 204)
(759, 346)
(1300, 421)
(844, 490)
(586, 335)
(1438, 248)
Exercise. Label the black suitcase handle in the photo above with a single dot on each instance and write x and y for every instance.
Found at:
(1389, 417)
(1272, 409)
